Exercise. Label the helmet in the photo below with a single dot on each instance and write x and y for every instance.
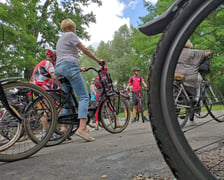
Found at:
(105, 69)
(135, 69)
(51, 53)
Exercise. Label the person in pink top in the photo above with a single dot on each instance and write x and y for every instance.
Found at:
(136, 82)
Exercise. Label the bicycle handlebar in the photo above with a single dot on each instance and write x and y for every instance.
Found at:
(96, 70)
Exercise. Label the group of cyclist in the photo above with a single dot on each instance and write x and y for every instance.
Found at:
(66, 64)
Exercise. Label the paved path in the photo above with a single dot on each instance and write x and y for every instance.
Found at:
(114, 156)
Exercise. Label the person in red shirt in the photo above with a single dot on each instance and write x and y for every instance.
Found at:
(43, 76)
(136, 82)
(43, 73)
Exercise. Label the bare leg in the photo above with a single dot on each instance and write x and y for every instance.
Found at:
(44, 122)
(134, 111)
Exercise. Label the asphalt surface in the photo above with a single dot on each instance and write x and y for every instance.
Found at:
(125, 156)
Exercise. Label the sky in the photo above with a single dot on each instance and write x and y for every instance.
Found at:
(111, 16)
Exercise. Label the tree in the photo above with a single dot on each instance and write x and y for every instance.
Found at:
(28, 27)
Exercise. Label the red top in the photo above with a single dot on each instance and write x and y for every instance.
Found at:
(136, 83)
(41, 74)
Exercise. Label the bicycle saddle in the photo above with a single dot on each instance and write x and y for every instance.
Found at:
(63, 79)
(158, 24)
(2, 81)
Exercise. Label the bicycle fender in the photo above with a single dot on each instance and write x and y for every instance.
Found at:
(157, 25)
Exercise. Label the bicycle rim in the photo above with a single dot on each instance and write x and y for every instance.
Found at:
(216, 99)
(181, 106)
(10, 129)
(184, 156)
(61, 130)
(23, 96)
(114, 114)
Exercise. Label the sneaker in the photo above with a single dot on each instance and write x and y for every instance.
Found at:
(134, 120)
(146, 119)
(55, 136)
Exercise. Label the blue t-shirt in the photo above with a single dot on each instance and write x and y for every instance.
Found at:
(93, 96)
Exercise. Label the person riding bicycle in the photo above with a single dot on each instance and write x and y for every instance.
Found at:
(188, 65)
(67, 66)
(136, 82)
(43, 76)
(43, 73)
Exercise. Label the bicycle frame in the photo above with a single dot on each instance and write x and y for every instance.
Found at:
(105, 93)
(66, 96)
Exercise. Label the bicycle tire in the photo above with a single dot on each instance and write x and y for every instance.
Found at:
(181, 105)
(10, 133)
(170, 138)
(25, 147)
(137, 114)
(114, 114)
(204, 105)
(63, 135)
(141, 109)
(216, 99)
(204, 111)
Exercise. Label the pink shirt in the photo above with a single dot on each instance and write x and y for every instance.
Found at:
(136, 82)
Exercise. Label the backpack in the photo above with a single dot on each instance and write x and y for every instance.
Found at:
(204, 67)
(139, 80)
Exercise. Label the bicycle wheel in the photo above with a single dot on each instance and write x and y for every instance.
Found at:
(186, 157)
(137, 114)
(114, 114)
(25, 94)
(216, 99)
(141, 109)
(62, 130)
(203, 111)
(182, 106)
(10, 129)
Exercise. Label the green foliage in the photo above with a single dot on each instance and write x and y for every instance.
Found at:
(29, 27)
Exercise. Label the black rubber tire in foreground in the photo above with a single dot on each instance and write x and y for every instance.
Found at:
(170, 138)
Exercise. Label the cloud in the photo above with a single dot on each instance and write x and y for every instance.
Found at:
(152, 1)
(109, 18)
(133, 4)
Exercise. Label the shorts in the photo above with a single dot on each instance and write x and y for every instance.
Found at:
(135, 98)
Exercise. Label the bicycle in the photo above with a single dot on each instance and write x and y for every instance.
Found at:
(114, 111)
(18, 115)
(186, 105)
(111, 110)
(214, 97)
(185, 159)
(139, 106)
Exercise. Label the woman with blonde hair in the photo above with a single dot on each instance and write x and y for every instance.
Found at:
(67, 65)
